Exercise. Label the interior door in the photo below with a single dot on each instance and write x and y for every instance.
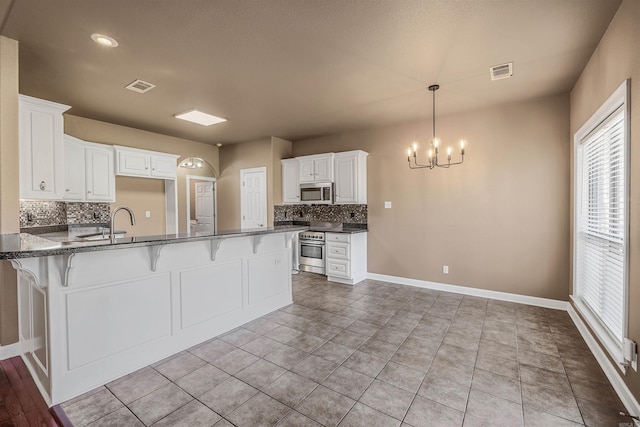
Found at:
(204, 207)
(253, 204)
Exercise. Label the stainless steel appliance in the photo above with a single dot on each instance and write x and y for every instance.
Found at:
(311, 246)
(317, 193)
(312, 251)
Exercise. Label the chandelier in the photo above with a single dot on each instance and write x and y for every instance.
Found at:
(435, 145)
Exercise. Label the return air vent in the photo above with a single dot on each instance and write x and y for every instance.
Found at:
(502, 71)
(140, 86)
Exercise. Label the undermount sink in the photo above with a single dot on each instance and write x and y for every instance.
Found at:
(102, 237)
(84, 242)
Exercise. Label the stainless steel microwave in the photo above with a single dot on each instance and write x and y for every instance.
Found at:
(318, 193)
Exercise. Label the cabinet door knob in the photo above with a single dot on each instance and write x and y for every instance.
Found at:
(67, 190)
(88, 192)
(146, 168)
(43, 185)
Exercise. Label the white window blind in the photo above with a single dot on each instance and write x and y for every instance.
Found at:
(601, 223)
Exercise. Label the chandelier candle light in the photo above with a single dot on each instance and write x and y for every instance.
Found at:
(435, 144)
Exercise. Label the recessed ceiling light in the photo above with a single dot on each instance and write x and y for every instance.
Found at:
(199, 117)
(104, 40)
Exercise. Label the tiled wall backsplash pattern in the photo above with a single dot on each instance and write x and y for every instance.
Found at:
(355, 214)
(46, 213)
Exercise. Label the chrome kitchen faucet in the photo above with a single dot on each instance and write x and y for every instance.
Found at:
(113, 217)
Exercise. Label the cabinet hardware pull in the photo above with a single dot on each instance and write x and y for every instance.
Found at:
(67, 190)
(89, 192)
(43, 185)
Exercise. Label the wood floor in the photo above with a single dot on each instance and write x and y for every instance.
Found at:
(20, 401)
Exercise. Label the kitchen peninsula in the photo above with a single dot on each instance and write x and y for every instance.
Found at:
(93, 311)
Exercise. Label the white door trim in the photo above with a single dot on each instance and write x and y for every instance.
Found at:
(262, 169)
(215, 199)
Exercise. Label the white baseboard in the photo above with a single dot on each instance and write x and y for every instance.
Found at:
(629, 401)
(484, 293)
(8, 351)
(612, 373)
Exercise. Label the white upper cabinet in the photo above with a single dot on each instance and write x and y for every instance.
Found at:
(144, 163)
(74, 169)
(41, 148)
(89, 172)
(101, 179)
(316, 168)
(290, 181)
(163, 166)
(351, 177)
(133, 163)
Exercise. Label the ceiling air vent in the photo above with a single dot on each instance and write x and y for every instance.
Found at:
(502, 71)
(140, 86)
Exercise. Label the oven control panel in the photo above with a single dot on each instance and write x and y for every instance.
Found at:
(312, 235)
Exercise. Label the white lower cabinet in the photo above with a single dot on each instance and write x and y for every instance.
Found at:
(346, 257)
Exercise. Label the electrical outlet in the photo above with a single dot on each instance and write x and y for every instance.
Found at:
(445, 269)
(387, 205)
(147, 214)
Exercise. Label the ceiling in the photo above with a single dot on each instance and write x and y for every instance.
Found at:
(296, 68)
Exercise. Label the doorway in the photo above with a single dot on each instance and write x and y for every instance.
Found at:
(201, 204)
(253, 198)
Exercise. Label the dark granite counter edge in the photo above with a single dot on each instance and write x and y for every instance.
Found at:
(134, 242)
(347, 227)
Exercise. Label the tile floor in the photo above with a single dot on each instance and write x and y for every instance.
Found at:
(376, 354)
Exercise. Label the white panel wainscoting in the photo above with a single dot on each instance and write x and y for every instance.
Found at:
(210, 292)
(264, 273)
(89, 318)
(104, 320)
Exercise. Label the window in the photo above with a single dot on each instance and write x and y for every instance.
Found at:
(601, 221)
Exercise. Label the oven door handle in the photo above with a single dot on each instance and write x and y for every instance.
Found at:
(304, 242)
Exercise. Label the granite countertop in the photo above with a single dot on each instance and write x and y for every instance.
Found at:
(349, 230)
(24, 245)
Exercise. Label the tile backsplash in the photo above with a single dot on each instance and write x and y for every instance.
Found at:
(354, 214)
(40, 213)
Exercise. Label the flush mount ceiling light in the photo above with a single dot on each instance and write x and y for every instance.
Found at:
(104, 40)
(192, 163)
(199, 117)
(435, 144)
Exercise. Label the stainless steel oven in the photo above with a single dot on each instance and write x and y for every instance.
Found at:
(312, 251)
